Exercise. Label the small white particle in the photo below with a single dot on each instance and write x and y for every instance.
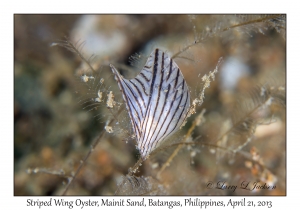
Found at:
(193, 153)
(262, 91)
(110, 100)
(99, 99)
(269, 101)
(154, 165)
(212, 151)
(84, 78)
(109, 129)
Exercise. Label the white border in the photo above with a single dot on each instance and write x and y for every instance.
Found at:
(8, 8)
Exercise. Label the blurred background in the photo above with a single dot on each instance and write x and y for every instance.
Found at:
(54, 127)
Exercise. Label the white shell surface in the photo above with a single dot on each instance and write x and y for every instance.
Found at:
(157, 100)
